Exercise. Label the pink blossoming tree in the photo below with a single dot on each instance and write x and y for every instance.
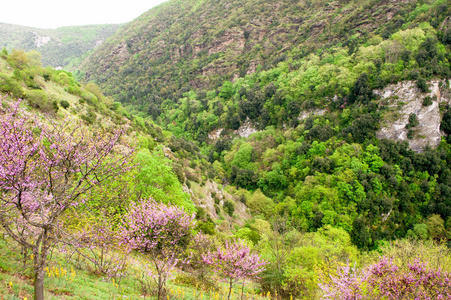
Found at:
(234, 262)
(160, 231)
(45, 170)
(387, 280)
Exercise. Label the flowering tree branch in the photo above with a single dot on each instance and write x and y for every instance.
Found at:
(160, 231)
(44, 170)
(235, 263)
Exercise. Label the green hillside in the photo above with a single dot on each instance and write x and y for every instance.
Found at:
(197, 45)
(309, 100)
(59, 47)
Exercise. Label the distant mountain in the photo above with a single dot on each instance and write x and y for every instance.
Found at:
(58, 47)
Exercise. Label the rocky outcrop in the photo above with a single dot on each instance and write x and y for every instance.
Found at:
(310, 112)
(205, 196)
(215, 134)
(403, 99)
(231, 40)
(246, 129)
(41, 40)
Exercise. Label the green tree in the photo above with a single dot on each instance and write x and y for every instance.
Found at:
(445, 124)
(436, 227)
(153, 178)
(362, 91)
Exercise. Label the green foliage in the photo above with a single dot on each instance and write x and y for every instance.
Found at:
(229, 207)
(298, 260)
(427, 101)
(243, 157)
(361, 92)
(154, 178)
(446, 40)
(248, 234)
(64, 104)
(436, 227)
(419, 231)
(445, 124)
(422, 85)
(40, 100)
(9, 84)
(413, 121)
(260, 204)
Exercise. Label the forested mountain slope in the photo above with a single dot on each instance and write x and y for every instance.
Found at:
(196, 45)
(315, 81)
(58, 47)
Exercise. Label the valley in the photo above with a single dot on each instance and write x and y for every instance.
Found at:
(240, 149)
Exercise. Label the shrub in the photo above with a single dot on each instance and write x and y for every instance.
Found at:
(64, 104)
(46, 77)
(39, 99)
(89, 118)
(422, 85)
(427, 101)
(413, 121)
(243, 199)
(445, 124)
(9, 85)
(229, 207)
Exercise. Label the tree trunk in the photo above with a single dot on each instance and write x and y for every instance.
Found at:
(40, 261)
(230, 289)
(160, 288)
(39, 277)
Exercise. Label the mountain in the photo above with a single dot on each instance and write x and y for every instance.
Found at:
(197, 45)
(326, 113)
(58, 47)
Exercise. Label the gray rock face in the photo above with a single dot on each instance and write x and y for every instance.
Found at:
(404, 98)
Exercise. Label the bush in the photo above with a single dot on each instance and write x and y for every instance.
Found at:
(413, 121)
(206, 227)
(9, 85)
(229, 207)
(89, 118)
(64, 104)
(427, 101)
(446, 40)
(364, 127)
(445, 125)
(422, 85)
(243, 199)
(361, 91)
(46, 77)
(39, 99)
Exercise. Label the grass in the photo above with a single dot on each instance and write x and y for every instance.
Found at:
(64, 280)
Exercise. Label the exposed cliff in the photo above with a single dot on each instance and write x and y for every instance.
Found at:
(402, 100)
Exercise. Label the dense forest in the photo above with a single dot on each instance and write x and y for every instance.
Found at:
(246, 148)
(325, 169)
